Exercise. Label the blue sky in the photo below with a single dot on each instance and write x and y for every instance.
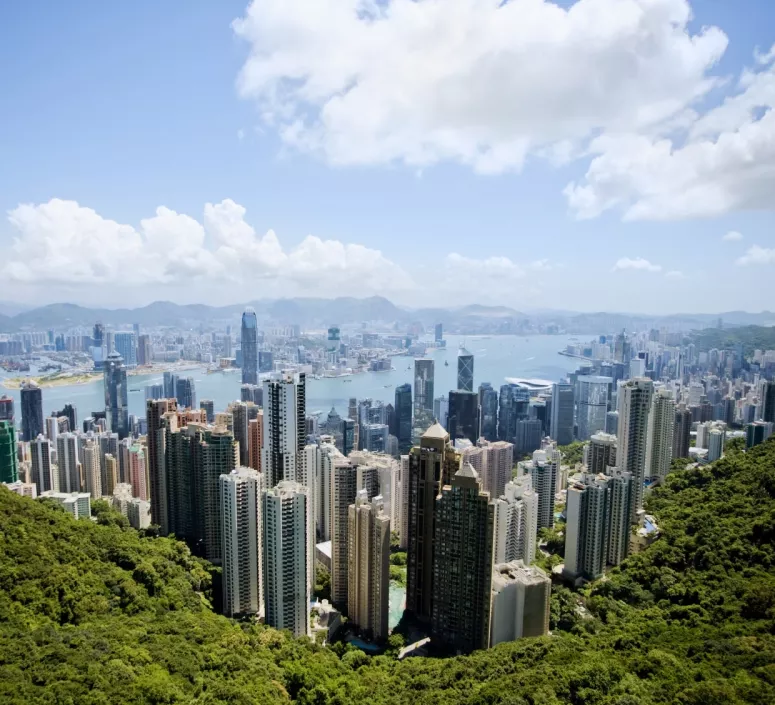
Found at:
(425, 166)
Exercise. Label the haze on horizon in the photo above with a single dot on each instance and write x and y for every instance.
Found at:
(435, 153)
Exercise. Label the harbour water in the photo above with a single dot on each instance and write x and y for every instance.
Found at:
(495, 359)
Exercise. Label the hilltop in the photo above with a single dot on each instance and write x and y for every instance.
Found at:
(98, 613)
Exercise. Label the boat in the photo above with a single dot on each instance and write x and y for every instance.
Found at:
(446, 363)
(388, 386)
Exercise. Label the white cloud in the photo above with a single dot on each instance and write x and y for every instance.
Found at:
(64, 248)
(63, 243)
(725, 162)
(732, 236)
(638, 263)
(757, 255)
(674, 274)
(480, 82)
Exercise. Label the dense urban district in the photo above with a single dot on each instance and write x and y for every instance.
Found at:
(605, 538)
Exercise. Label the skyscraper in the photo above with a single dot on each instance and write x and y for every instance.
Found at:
(368, 571)
(284, 427)
(185, 392)
(126, 346)
(249, 347)
(431, 465)
(423, 389)
(561, 428)
(32, 412)
(90, 469)
(137, 471)
(716, 439)
(144, 350)
(403, 410)
(6, 408)
(601, 453)
(240, 495)
(682, 432)
(9, 466)
(497, 461)
(632, 439)
(661, 430)
(68, 463)
(465, 371)
(463, 417)
(488, 412)
(344, 489)
(592, 405)
(44, 474)
(438, 332)
(598, 524)
(285, 558)
(170, 382)
(208, 406)
(528, 437)
(462, 563)
(516, 522)
(116, 395)
(155, 409)
(513, 404)
(99, 351)
(520, 602)
(218, 457)
(255, 440)
(543, 470)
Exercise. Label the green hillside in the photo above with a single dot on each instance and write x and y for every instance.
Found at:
(750, 337)
(99, 614)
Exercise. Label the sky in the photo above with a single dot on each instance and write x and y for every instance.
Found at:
(592, 155)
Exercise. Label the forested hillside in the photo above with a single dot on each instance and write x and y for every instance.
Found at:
(750, 337)
(97, 613)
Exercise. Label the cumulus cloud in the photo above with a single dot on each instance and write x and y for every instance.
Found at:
(638, 263)
(68, 247)
(724, 162)
(63, 243)
(757, 255)
(732, 236)
(674, 274)
(480, 82)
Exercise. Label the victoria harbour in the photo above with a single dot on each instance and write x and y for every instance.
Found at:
(495, 358)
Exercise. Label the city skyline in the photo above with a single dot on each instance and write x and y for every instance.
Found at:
(282, 190)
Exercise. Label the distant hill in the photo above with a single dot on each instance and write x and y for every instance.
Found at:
(311, 312)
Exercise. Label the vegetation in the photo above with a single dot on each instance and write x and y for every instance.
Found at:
(96, 613)
(750, 337)
(572, 453)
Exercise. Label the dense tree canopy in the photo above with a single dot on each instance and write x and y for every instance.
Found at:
(96, 613)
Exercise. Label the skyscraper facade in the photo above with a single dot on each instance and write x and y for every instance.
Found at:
(543, 469)
(462, 563)
(423, 387)
(126, 346)
(592, 405)
(90, 469)
(520, 602)
(208, 406)
(516, 522)
(561, 427)
(44, 473)
(68, 463)
(368, 565)
(632, 439)
(116, 396)
(285, 432)
(249, 334)
(497, 461)
(240, 496)
(185, 392)
(463, 415)
(431, 465)
(465, 370)
(286, 572)
(768, 401)
(144, 350)
(601, 453)
(344, 489)
(6, 408)
(403, 410)
(155, 410)
(682, 431)
(32, 412)
(9, 465)
(488, 412)
(661, 430)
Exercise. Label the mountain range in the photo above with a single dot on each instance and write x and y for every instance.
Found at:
(320, 313)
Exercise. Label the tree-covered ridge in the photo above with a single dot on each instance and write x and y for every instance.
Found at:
(690, 621)
(750, 337)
